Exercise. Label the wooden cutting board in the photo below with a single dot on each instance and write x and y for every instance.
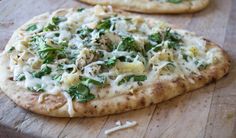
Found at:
(207, 112)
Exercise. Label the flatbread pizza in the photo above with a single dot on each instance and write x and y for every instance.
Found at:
(97, 61)
(154, 6)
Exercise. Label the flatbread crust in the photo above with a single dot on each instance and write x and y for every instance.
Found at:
(57, 105)
(148, 6)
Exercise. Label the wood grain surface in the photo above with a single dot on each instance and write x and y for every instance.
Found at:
(209, 112)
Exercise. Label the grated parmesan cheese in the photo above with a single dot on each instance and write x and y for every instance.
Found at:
(119, 126)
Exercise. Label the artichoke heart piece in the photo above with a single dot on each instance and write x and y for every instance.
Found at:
(136, 67)
(164, 55)
(71, 79)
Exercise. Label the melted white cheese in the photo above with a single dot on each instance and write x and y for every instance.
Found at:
(69, 104)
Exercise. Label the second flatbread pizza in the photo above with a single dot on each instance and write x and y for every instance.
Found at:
(155, 6)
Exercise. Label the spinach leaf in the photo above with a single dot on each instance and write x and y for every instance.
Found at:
(136, 78)
(87, 81)
(45, 52)
(201, 65)
(57, 77)
(168, 35)
(36, 88)
(84, 32)
(80, 9)
(174, 39)
(45, 70)
(156, 37)
(31, 27)
(11, 49)
(104, 24)
(57, 34)
(111, 62)
(185, 57)
(64, 43)
(173, 45)
(81, 93)
(175, 1)
(128, 44)
(128, 20)
(157, 48)
(54, 25)
(170, 66)
(57, 19)
(50, 27)
(20, 77)
(147, 46)
(64, 67)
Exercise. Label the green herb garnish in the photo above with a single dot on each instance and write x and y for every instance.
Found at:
(104, 24)
(36, 88)
(81, 93)
(170, 66)
(54, 25)
(87, 81)
(174, 39)
(201, 65)
(64, 43)
(175, 1)
(128, 44)
(51, 27)
(57, 19)
(111, 62)
(31, 27)
(45, 70)
(11, 49)
(80, 9)
(20, 77)
(46, 52)
(136, 78)
(185, 57)
(156, 37)
(57, 77)
(84, 32)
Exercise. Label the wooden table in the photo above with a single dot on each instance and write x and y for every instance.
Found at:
(207, 112)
